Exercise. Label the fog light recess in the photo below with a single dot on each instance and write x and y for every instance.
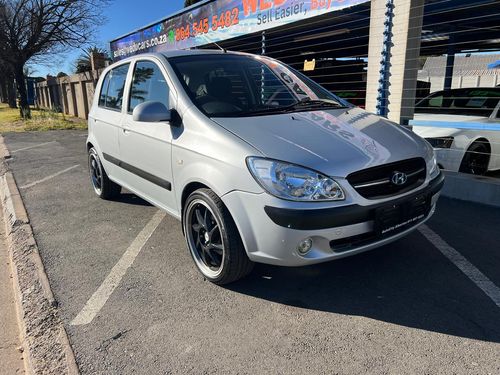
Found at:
(304, 246)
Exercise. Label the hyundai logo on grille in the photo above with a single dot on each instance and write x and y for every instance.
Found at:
(399, 178)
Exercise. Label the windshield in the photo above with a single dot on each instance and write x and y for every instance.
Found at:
(229, 85)
(473, 102)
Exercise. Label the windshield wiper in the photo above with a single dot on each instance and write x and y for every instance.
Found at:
(264, 111)
(303, 104)
(315, 103)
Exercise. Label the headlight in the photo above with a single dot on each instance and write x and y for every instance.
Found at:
(290, 181)
(433, 167)
(442, 142)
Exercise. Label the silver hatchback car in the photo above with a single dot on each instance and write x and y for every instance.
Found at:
(259, 163)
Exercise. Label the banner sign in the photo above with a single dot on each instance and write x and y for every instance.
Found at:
(221, 20)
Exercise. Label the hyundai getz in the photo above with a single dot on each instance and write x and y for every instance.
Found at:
(258, 162)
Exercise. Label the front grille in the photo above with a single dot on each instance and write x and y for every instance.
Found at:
(376, 182)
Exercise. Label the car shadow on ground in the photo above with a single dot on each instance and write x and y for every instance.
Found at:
(130, 198)
(408, 283)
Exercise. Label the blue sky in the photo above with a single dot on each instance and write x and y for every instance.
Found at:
(123, 17)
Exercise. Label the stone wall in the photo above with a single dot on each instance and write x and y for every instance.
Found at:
(71, 95)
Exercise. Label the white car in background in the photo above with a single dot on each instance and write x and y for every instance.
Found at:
(463, 126)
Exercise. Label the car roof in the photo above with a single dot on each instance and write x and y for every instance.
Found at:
(177, 53)
(194, 52)
(495, 89)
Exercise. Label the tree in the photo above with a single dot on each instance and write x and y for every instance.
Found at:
(36, 30)
(190, 2)
(61, 75)
(3, 83)
(7, 89)
(84, 62)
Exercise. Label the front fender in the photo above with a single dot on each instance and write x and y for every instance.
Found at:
(221, 177)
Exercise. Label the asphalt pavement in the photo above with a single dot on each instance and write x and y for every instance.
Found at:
(402, 309)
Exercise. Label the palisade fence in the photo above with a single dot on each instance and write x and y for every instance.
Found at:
(333, 50)
(71, 95)
(452, 44)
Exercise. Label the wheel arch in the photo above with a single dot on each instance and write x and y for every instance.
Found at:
(483, 140)
(477, 141)
(190, 188)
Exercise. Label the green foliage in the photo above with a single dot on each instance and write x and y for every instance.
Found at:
(84, 62)
(41, 119)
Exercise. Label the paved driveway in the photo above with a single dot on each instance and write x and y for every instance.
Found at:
(404, 308)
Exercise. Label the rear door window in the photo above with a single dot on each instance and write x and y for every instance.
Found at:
(474, 102)
(104, 90)
(113, 88)
(436, 101)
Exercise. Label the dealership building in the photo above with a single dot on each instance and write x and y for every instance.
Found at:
(369, 52)
(381, 54)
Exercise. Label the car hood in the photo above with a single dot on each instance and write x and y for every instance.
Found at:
(430, 125)
(446, 118)
(434, 132)
(334, 142)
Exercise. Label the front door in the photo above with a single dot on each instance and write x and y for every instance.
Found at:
(146, 147)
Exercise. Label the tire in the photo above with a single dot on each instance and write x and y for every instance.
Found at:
(476, 159)
(213, 239)
(103, 186)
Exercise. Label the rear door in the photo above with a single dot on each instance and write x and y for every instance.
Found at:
(107, 117)
(146, 147)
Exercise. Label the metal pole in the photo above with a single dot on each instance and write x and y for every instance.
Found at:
(262, 72)
(385, 62)
(450, 63)
(263, 45)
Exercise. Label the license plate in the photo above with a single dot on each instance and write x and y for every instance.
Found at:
(395, 218)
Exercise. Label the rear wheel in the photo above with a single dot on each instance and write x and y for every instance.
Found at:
(213, 239)
(103, 186)
(476, 159)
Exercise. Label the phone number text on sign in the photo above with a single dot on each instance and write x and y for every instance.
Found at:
(203, 26)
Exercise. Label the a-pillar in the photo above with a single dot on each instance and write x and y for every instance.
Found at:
(401, 41)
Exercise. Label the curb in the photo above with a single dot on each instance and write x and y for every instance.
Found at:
(472, 188)
(4, 151)
(43, 337)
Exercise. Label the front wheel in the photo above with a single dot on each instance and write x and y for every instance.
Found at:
(103, 186)
(476, 159)
(213, 239)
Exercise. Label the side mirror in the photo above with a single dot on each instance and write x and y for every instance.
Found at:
(151, 112)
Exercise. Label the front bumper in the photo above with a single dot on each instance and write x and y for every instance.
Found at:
(272, 228)
(449, 158)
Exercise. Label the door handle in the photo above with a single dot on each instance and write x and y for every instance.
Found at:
(126, 131)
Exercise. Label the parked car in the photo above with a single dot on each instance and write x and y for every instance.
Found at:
(463, 126)
(258, 162)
